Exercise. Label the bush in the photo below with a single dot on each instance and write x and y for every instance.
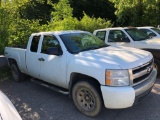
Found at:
(86, 23)
(21, 30)
(15, 31)
(91, 24)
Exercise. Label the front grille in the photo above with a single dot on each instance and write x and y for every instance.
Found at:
(141, 73)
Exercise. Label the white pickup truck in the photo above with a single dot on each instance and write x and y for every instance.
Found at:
(131, 37)
(92, 73)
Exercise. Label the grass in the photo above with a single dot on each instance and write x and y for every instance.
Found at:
(5, 73)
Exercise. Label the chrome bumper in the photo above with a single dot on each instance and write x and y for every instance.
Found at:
(146, 85)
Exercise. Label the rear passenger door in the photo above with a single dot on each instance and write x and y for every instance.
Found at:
(32, 61)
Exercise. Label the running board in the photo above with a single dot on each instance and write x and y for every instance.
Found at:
(50, 86)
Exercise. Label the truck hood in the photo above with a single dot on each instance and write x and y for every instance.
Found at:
(114, 57)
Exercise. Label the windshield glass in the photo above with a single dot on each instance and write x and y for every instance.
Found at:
(78, 42)
(157, 30)
(136, 35)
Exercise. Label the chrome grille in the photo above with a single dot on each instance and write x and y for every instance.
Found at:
(141, 73)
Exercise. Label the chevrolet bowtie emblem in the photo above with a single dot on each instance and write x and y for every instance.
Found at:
(148, 69)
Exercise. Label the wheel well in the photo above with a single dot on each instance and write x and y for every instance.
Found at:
(76, 77)
(10, 60)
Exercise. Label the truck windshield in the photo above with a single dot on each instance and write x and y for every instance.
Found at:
(79, 42)
(137, 35)
(157, 30)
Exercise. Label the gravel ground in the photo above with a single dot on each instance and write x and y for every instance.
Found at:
(35, 102)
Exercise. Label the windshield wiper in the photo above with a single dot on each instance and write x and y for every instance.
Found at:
(93, 48)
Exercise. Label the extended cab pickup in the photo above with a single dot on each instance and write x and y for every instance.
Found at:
(131, 37)
(92, 72)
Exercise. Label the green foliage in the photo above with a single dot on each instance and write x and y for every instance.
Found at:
(63, 20)
(17, 24)
(36, 10)
(20, 18)
(62, 10)
(4, 26)
(137, 12)
(97, 8)
(20, 32)
(69, 23)
(14, 31)
(90, 24)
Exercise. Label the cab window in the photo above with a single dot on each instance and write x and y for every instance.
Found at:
(116, 36)
(148, 32)
(101, 35)
(34, 44)
(48, 42)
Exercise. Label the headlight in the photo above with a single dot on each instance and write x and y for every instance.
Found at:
(117, 78)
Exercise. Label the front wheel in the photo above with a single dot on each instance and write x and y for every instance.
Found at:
(86, 98)
(17, 74)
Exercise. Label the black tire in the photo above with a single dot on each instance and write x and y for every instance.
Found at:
(87, 98)
(157, 66)
(16, 73)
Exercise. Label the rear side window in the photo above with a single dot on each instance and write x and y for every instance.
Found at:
(101, 35)
(34, 44)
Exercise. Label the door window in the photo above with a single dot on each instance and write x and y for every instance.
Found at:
(49, 41)
(116, 36)
(148, 32)
(101, 35)
(34, 44)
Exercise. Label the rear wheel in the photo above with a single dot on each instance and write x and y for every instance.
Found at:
(17, 74)
(87, 98)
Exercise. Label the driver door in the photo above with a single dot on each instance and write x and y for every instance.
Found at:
(52, 67)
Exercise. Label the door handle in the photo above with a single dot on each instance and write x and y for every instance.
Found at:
(41, 59)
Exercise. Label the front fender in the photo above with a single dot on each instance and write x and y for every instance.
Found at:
(90, 69)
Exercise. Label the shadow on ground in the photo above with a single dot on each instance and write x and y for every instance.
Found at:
(35, 102)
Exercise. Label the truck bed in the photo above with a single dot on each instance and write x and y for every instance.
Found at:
(18, 54)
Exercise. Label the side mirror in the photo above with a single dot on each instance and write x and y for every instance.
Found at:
(125, 40)
(54, 51)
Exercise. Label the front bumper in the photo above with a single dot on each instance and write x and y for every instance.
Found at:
(123, 97)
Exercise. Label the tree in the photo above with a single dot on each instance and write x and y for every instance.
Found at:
(14, 30)
(137, 12)
(63, 19)
(36, 10)
(93, 8)
(61, 10)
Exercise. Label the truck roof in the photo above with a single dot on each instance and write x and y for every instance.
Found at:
(146, 27)
(60, 32)
(120, 28)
